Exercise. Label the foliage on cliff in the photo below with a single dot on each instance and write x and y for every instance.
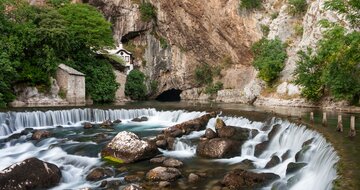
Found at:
(35, 41)
(335, 67)
(269, 58)
(135, 86)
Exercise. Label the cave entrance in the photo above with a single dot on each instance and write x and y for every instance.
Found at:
(172, 95)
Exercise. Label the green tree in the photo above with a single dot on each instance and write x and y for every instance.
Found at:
(269, 58)
(135, 86)
(349, 8)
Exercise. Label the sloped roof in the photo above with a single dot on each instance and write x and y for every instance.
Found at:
(124, 50)
(70, 70)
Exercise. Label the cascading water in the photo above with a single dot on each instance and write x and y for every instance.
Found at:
(77, 156)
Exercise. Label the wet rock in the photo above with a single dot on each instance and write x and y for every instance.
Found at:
(113, 184)
(275, 160)
(231, 132)
(260, 148)
(210, 134)
(218, 148)
(99, 173)
(88, 125)
(158, 160)
(163, 184)
(193, 178)
(103, 183)
(275, 129)
(133, 187)
(294, 167)
(133, 178)
(299, 156)
(245, 165)
(219, 124)
(117, 121)
(170, 143)
(122, 169)
(242, 179)
(163, 174)
(106, 124)
(127, 147)
(172, 162)
(140, 119)
(286, 155)
(100, 137)
(266, 127)
(308, 142)
(187, 127)
(30, 174)
(40, 134)
(279, 186)
(161, 144)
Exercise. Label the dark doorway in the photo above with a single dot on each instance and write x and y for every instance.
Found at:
(172, 95)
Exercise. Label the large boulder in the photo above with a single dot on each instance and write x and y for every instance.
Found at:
(218, 148)
(275, 160)
(172, 162)
(187, 127)
(99, 173)
(294, 167)
(163, 174)
(242, 179)
(210, 134)
(31, 173)
(261, 147)
(40, 134)
(127, 147)
(235, 133)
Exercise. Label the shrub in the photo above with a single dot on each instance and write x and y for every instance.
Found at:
(269, 57)
(349, 8)
(298, 7)
(203, 74)
(265, 29)
(147, 11)
(214, 88)
(250, 4)
(299, 29)
(274, 15)
(135, 86)
(163, 43)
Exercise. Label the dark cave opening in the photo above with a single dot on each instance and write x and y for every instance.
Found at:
(172, 95)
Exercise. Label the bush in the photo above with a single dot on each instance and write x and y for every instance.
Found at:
(214, 88)
(269, 57)
(203, 74)
(163, 43)
(135, 86)
(298, 7)
(250, 4)
(334, 67)
(265, 29)
(349, 8)
(147, 11)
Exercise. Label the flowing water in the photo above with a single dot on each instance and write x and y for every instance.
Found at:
(76, 150)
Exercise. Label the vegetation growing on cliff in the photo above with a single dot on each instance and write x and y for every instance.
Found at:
(269, 58)
(135, 86)
(250, 4)
(35, 41)
(147, 11)
(298, 7)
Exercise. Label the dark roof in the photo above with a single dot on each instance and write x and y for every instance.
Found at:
(70, 70)
(124, 50)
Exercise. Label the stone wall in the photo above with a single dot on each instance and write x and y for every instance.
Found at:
(120, 93)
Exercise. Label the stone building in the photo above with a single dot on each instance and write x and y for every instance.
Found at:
(127, 57)
(72, 83)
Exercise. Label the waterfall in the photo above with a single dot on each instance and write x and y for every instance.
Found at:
(11, 122)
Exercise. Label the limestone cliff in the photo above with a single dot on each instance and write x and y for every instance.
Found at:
(215, 32)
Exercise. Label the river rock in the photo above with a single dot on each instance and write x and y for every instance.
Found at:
(275, 129)
(163, 174)
(260, 148)
(286, 155)
(140, 119)
(210, 134)
(161, 143)
(307, 143)
(163, 184)
(299, 156)
(294, 167)
(117, 121)
(170, 143)
(39, 134)
(218, 148)
(158, 160)
(133, 187)
(106, 124)
(133, 178)
(88, 125)
(31, 173)
(245, 165)
(187, 127)
(99, 173)
(172, 162)
(242, 179)
(193, 178)
(127, 147)
(275, 160)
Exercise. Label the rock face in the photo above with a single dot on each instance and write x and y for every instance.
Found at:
(242, 179)
(163, 174)
(31, 173)
(126, 147)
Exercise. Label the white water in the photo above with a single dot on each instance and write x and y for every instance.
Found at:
(318, 174)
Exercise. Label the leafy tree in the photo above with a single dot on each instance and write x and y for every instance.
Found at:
(135, 86)
(349, 8)
(335, 66)
(269, 57)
